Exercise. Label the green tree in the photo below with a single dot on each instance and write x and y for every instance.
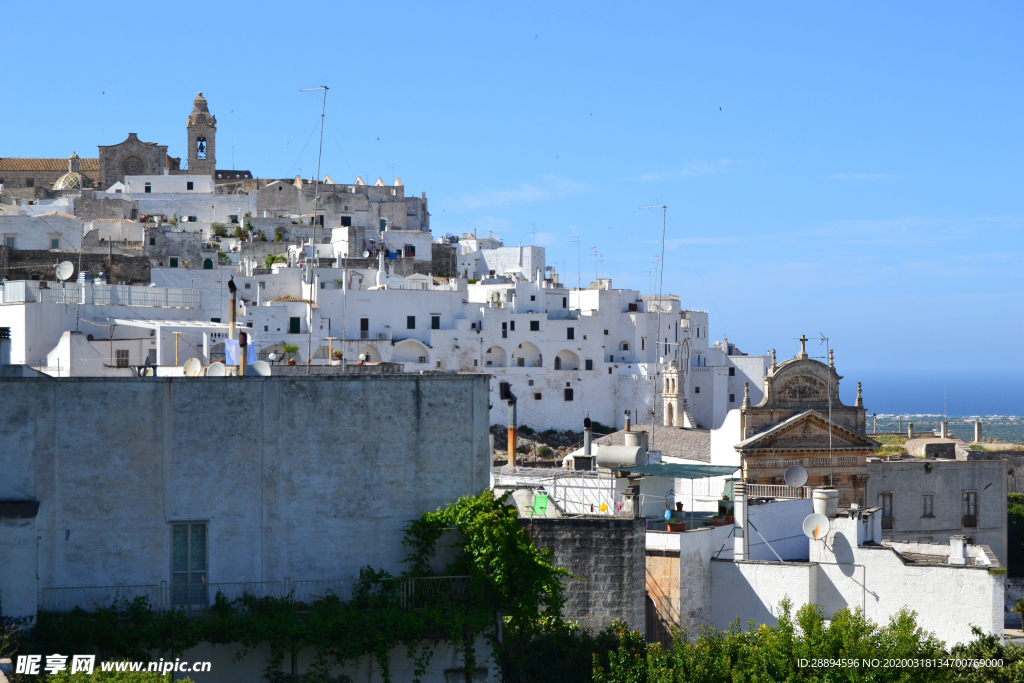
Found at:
(1015, 534)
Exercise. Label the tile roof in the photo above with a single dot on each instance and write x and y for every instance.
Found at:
(692, 444)
(26, 164)
(54, 213)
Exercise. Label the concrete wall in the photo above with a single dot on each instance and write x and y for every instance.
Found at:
(35, 232)
(609, 555)
(307, 478)
(909, 480)
(753, 590)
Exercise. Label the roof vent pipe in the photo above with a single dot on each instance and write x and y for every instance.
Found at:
(233, 288)
(587, 436)
(741, 549)
(627, 421)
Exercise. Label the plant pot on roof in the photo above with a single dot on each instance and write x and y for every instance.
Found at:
(289, 351)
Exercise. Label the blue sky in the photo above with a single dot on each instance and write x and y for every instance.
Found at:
(852, 169)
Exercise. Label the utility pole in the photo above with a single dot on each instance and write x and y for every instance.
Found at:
(316, 203)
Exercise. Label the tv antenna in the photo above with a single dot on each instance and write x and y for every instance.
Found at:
(579, 263)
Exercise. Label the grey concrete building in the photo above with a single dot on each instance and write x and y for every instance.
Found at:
(927, 500)
(268, 479)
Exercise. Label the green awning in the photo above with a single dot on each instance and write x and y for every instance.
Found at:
(680, 471)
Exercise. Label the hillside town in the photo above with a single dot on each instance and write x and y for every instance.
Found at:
(166, 440)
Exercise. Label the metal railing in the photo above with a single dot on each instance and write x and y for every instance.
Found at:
(163, 297)
(777, 491)
(199, 597)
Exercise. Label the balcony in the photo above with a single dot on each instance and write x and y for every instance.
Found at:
(199, 597)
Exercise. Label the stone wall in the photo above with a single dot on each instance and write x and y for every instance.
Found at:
(443, 260)
(308, 478)
(609, 555)
(89, 208)
(29, 264)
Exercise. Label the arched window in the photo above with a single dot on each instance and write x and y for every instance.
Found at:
(558, 363)
(669, 415)
(208, 264)
(200, 148)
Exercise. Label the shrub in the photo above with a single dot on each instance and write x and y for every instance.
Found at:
(545, 451)
(272, 259)
(219, 229)
(527, 430)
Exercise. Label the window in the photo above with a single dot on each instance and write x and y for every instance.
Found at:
(588, 364)
(570, 333)
(151, 356)
(266, 328)
(609, 371)
(504, 330)
(263, 284)
(422, 359)
(10, 241)
(643, 343)
(696, 390)
(188, 564)
(54, 243)
(521, 362)
(30, 182)
(512, 325)
(530, 383)
(346, 221)
(438, 363)
(364, 328)
(152, 241)
(193, 219)
(294, 325)
(475, 362)
(558, 363)
(188, 186)
(208, 264)
(732, 398)
(121, 358)
(533, 297)
(632, 308)
(435, 322)
(625, 346)
(536, 396)
(410, 251)
(200, 148)
(732, 372)
(927, 505)
(148, 189)
(969, 505)
(565, 302)
(232, 218)
(606, 333)
(568, 394)
(534, 326)
(885, 502)
(173, 263)
(214, 320)
(410, 322)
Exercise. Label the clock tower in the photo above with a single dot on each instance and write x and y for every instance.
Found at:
(202, 133)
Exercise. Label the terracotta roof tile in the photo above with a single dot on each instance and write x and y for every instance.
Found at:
(26, 164)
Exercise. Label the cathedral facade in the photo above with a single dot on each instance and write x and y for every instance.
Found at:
(790, 426)
(129, 157)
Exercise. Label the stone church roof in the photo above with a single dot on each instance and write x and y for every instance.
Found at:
(32, 164)
(787, 435)
(676, 442)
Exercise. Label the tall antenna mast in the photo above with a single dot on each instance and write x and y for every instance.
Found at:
(316, 204)
(579, 263)
(657, 340)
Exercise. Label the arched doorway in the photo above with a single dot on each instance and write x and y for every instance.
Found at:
(208, 264)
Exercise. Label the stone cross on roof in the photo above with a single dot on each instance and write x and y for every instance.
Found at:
(803, 346)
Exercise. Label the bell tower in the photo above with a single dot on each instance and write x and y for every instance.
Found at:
(202, 134)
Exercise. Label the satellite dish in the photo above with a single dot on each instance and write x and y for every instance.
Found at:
(216, 370)
(816, 526)
(261, 368)
(796, 476)
(192, 367)
(65, 269)
(366, 254)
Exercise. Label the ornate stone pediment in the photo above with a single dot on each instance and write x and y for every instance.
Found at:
(808, 430)
(801, 387)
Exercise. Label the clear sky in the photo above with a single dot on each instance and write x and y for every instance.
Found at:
(853, 169)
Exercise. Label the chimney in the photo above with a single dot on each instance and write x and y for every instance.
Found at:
(243, 345)
(741, 548)
(233, 288)
(627, 421)
(587, 436)
(958, 550)
(910, 430)
(944, 430)
(977, 431)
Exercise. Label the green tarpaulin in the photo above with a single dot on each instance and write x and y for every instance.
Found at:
(679, 471)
